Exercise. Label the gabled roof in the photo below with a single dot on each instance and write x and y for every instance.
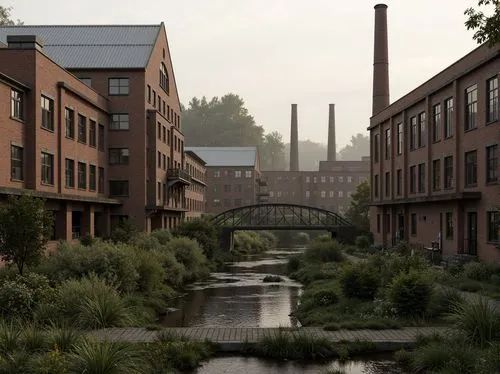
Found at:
(92, 46)
(226, 156)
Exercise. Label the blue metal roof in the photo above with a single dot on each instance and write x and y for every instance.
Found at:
(92, 46)
(226, 156)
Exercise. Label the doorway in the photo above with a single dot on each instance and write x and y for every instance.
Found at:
(472, 233)
(401, 227)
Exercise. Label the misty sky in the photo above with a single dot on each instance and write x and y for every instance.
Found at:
(277, 52)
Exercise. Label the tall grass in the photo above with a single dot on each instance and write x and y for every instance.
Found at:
(101, 311)
(284, 345)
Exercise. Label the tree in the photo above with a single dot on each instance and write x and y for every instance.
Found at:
(5, 17)
(310, 154)
(358, 211)
(272, 152)
(359, 147)
(487, 27)
(25, 228)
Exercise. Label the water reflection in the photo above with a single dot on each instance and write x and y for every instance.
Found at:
(239, 298)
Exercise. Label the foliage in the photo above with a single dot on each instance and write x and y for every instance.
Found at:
(479, 321)
(189, 254)
(358, 211)
(25, 228)
(486, 27)
(359, 146)
(478, 271)
(249, 242)
(123, 232)
(310, 153)
(362, 242)
(272, 152)
(272, 279)
(163, 236)
(53, 362)
(5, 17)
(321, 250)
(360, 281)
(410, 293)
(302, 238)
(203, 231)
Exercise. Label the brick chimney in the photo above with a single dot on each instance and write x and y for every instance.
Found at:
(294, 141)
(380, 61)
(332, 149)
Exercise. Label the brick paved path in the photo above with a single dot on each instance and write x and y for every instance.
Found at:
(252, 335)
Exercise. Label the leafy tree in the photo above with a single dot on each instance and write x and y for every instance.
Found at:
(358, 211)
(486, 27)
(25, 228)
(359, 147)
(203, 231)
(272, 152)
(310, 154)
(5, 17)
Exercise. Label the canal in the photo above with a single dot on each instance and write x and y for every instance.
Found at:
(238, 297)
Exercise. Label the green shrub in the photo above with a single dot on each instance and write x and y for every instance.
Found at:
(470, 286)
(19, 297)
(10, 337)
(362, 242)
(360, 281)
(321, 250)
(294, 263)
(188, 253)
(478, 271)
(53, 362)
(146, 242)
(201, 230)
(325, 297)
(152, 274)
(443, 301)
(248, 242)
(163, 236)
(33, 338)
(489, 361)
(296, 346)
(86, 240)
(64, 338)
(124, 232)
(174, 271)
(390, 266)
(302, 238)
(410, 293)
(403, 249)
(270, 240)
(478, 320)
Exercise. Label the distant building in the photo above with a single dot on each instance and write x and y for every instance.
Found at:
(434, 155)
(233, 177)
(196, 191)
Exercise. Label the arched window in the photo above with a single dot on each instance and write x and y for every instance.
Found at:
(164, 83)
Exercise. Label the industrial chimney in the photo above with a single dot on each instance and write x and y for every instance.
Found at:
(332, 149)
(294, 141)
(380, 61)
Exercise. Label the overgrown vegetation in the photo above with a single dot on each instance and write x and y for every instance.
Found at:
(251, 242)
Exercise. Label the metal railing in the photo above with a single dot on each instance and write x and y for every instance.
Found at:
(178, 174)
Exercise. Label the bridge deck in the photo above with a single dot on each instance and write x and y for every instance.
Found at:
(238, 336)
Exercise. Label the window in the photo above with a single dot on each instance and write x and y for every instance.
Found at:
(248, 174)
(92, 178)
(413, 132)
(448, 172)
(118, 188)
(164, 83)
(227, 202)
(158, 188)
(387, 223)
(436, 122)
(119, 121)
(341, 179)
(413, 179)
(349, 194)
(82, 175)
(387, 184)
(118, 86)
(387, 144)
(217, 202)
(16, 163)
(227, 188)
(493, 219)
(376, 145)
(100, 185)
(470, 168)
(448, 118)
(413, 224)
(341, 193)
(69, 173)
(323, 179)
(164, 162)
(308, 179)
(399, 184)
(400, 139)
(82, 129)
(436, 175)
(421, 178)
(421, 129)
(154, 98)
(149, 94)
(47, 113)
(238, 202)
(378, 222)
(492, 164)
(101, 137)
(449, 225)
(239, 188)
(159, 159)
(47, 168)
(375, 186)
(17, 104)
(119, 156)
(323, 194)
(69, 116)
(86, 81)
(349, 179)
(332, 194)
(492, 103)
(470, 107)
(308, 194)
(217, 174)
(92, 134)
(237, 173)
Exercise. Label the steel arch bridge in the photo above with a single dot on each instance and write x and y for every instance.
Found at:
(281, 217)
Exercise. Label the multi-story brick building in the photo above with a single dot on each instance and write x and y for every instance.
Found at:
(328, 188)
(196, 191)
(233, 177)
(114, 134)
(434, 155)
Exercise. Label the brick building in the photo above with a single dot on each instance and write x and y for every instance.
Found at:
(101, 148)
(330, 187)
(196, 191)
(434, 155)
(233, 177)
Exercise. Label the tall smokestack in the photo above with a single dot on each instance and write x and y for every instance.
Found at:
(380, 61)
(332, 149)
(294, 141)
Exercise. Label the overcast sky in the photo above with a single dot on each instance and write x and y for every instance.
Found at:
(277, 52)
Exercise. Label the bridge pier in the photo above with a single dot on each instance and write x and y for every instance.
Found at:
(227, 239)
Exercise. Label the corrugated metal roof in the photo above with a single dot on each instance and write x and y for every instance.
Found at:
(226, 156)
(92, 46)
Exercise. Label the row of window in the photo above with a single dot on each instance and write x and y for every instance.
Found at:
(237, 173)
(95, 133)
(442, 126)
(194, 205)
(194, 172)
(82, 176)
(323, 179)
(417, 173)
(164, 135)
(195, 187)
(323, 194)
(230, 188)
